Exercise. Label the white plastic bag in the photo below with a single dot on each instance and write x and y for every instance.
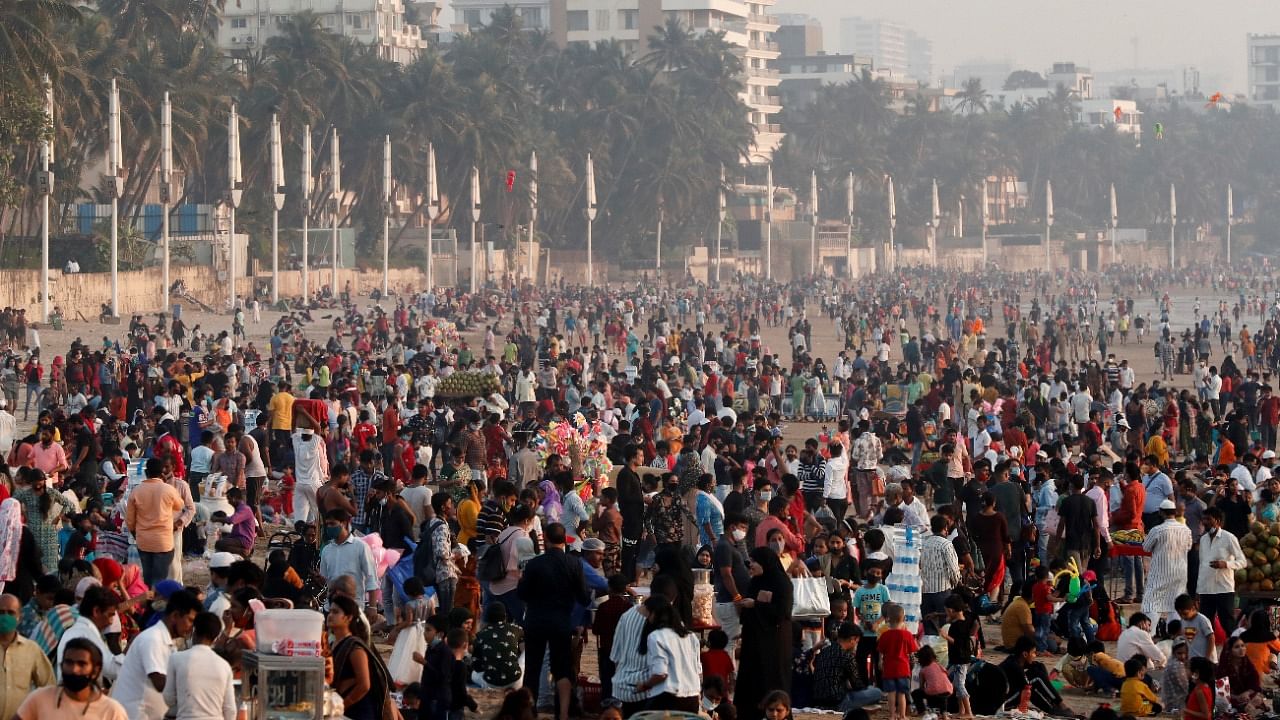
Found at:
(404, 669)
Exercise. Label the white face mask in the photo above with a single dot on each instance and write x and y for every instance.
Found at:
(708, 704)
(739, 534)
(766, 496)
(778, 547)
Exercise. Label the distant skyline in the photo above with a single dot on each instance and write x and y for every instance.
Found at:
(1098, 34)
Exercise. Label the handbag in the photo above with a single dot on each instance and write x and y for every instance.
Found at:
(809, 598)
(877, 483)
(401, 665)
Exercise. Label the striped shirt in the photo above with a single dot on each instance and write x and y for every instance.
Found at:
(939, 566)
(632, 667)
(812, 476)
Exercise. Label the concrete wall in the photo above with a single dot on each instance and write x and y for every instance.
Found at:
(84, 293)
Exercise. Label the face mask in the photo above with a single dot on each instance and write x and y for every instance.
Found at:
(739, 535)
(331, 533)
(8, 624)
(778, 547)
(708, 704)
(76, 683)
(766, 496)
(382, 502)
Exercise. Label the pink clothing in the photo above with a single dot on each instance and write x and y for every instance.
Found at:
(935, 681)
(48, 459)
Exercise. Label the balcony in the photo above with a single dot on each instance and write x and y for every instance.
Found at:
(768, 128)
(769, 73)
(763, 45)
(759, 19)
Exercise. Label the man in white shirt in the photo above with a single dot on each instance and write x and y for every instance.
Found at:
(98, 610)
(198, 682)
(310, 461)
(8, 427)
(1136, 639)
(140, 685)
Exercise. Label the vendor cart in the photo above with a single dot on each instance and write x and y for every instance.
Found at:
(282, 687)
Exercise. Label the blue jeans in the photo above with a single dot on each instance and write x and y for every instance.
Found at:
(933, 605)
(861, 698)
(1078, 624)
(1042, 622)
(155, 566)
(1102, 680)
(1131, 566)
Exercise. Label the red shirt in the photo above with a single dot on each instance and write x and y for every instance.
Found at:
(896, 647)
(1040, 596)
(717, 662)
(390, 425)
(362, 433)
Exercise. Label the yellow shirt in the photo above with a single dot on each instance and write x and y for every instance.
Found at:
(1136, 698)
(281, 409)
(1014, 622)
(468, 514)
(23, 668)
(1108, 663)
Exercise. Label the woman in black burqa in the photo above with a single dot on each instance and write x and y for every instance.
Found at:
(766, 634)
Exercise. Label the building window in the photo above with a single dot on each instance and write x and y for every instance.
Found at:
(577, 20)
(1273, 74)
(237, 23)
(1271, 93)
(630, 19)
(532, 17)
(471, 17)
(328, 20)
(602, 19)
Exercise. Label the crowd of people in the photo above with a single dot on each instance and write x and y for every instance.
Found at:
(762, 438)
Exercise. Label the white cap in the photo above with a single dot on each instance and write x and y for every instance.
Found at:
(220, 560)
(1266, 454)
(1168, 505)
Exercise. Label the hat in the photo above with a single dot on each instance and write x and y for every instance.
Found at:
(1168, 505)
(1266, 454)
(592, 544)
(1090, 576)
(1042, 455)
(166, 588)
(221, 560)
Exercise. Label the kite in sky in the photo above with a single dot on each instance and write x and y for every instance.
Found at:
(1159, 131)
(1214, 99)
(1118, 113)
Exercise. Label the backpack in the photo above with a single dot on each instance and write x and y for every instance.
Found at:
(424, 557)
(492, 566)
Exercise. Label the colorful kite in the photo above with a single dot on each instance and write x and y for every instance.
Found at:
(1118, 113)
(1159, 131)
(1214, 99)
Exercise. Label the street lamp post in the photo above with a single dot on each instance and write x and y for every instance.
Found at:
(720, 215)
(1173, 225)
(813, 223)
(44, 185)
(1231, 219)
(848, 239)
(1115, 222)
(935, 217)
(166, 193)
(475, 221)
(433, 211)
(986, 222)
(114, 162)
(306, 210)
(890, 253)
(768, 223)
(386, 215)
(591, 217)
(1048, 221)
(277, 199)
(533, 215)
(335, 183)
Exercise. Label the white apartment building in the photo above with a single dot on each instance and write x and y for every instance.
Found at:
(1077, 80)
(747, 25)
(891, 46)
(1101, 112)
(1264, 70)
(246, 25)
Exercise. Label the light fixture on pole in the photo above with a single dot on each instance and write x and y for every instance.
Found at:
(591, 217)
(661, 216)
(848, 239)
(890, 255)
(475, 221)
(935, 218)
(386, 214)
(335, 182)
(720, 215)
(1231, 219)
(166, 193)
(114, 163)
(433, 212)
(277, 198)
(306, 209)
(1048, 221)
(533, 214)
(813, 223)
(986, 221)
(1173, 225)
(44, 188)
(768, 222)
(235, 188)
(960, 217)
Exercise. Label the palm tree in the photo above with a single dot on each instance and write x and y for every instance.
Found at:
(28, 46)
(972, 98)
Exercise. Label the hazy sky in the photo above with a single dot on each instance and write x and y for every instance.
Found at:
(1099, 34)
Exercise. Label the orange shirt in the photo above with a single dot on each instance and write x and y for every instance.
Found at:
(150, 512)
(1259, 653)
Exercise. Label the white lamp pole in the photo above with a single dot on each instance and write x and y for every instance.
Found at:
(277, 197)
(890, 256)
(44, 185)
(722, 211)
(768, 222)
(433, 212)
(1173, 225)
(1231, 219)
(533, 215)
(935, 217)
(235, 188)
(986, 222)
(813, 223)
(591, 218)
(1115, 223)
(335, 181)
(475, 221)
(306, 209)
(1048, 221)
(166, 192)
(386, 215)
(114, 161)
(848, 240)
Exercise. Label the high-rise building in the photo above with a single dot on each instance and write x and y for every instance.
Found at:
(890, 45)
(1075, 78)
(247, 25)
(746, 25)
(799, 35)
(1264, 70)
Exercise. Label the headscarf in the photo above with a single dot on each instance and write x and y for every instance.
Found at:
(132, 581)
(552, 509)
(1259, 630)
(674, 561)
(10, 538)
(110, 570)
(774, 579)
